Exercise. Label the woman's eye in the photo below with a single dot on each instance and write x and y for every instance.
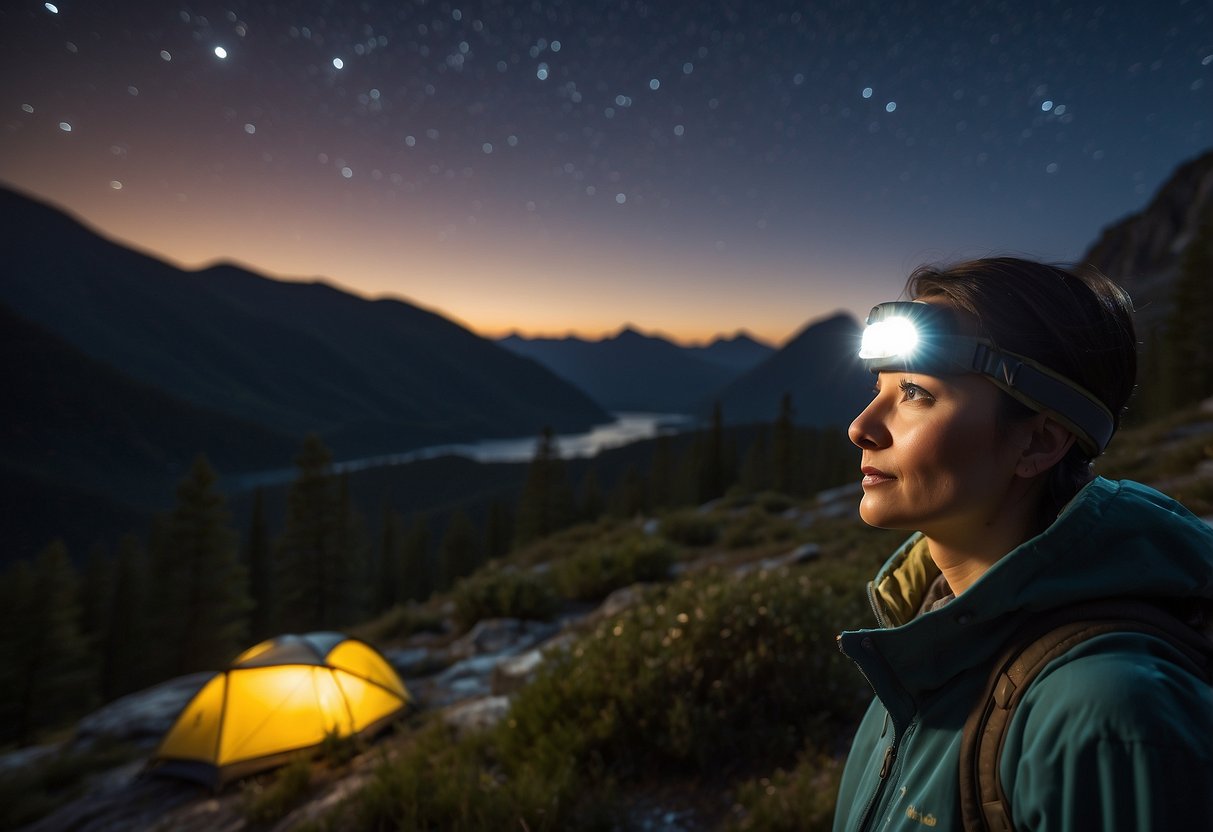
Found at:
(911, 392)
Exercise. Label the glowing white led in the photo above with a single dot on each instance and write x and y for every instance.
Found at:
(220, 52)
(888, 338)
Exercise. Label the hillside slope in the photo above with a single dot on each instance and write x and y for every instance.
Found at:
(369, 376)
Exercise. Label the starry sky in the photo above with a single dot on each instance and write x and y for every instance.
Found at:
(689, 167)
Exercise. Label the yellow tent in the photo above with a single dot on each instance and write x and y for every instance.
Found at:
(278, 698)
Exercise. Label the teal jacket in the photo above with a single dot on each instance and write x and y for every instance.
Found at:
(1113, 735)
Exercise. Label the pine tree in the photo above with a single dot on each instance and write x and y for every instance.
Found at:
(711, 478)
(459, 554)
(353, 548)
(48, 675)
(662, 479)
(96, 599)
(547, 498)
(785, 459)
(416, 572)
(590, 502)
(123, 665)
(628, 498)
(309, 565)
(388, 579)
(16, 594)
(499, 530)
(756, 469)
(259, 561)
(1189, 347)
(159, 615)
(207, 596)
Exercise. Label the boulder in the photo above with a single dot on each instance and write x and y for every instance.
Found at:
(501, 635)
(477, 714)
(143, 717)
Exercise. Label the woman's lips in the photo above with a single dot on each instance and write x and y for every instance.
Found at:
(874, 476)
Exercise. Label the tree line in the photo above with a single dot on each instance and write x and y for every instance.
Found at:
(1176, 368)
(195, 592)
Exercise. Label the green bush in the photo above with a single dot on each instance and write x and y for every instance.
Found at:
(503, 593)
(749, 666)
(598, 570)
(756, 527)
(772, 502)
(398, 623)
(690, 528)
(800, 800)
(290, 786)
(463, 785)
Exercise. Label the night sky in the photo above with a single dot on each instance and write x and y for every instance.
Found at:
(688, 167)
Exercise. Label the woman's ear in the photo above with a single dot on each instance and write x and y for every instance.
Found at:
(1046, 442)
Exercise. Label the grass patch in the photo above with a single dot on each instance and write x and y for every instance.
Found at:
(756, 527)
(287, 788)
(400, 622)
(597, 570)
(496, 592)
(690, 528)
(748, 665)
(711, 663)
(33, 791)
(799, 800)
(439, 782)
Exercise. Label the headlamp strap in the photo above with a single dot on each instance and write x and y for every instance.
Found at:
(1037, 387)
(997, 365)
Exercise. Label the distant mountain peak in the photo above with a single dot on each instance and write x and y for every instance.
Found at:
(739, 337)
(630, 332)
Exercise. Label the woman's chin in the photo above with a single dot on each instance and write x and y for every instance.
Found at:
(879, 516)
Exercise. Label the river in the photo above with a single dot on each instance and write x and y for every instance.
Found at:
(627, 427)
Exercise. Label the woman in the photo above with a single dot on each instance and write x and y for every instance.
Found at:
(979, 439)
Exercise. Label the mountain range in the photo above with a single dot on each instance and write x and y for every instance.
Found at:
(120, 368)
(632, 371)
(367, 376)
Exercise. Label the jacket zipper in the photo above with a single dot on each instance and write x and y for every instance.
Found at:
(881, 618)
(886, 769)
(890, 753)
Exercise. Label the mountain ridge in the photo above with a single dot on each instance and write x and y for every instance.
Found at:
(368, 375)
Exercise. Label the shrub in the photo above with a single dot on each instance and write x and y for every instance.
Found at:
(690, 528)
(503, 593)
(400, 622)
(338, 749)
(598, 570)
(37, 789)
(442, 783)
(756, 527)
(790, 801)
(291, 784)
(749, 666)
(772, 502)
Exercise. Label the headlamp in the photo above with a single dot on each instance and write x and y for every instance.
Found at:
(923, 337)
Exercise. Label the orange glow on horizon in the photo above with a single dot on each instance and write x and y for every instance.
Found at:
(492, 281)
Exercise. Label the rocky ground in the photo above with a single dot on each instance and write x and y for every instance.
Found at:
(468, 680)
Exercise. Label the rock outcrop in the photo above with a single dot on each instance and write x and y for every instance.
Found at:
(1142, 252)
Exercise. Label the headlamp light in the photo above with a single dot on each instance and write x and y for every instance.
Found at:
(923, 337)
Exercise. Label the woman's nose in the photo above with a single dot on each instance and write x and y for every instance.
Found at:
(868, 431)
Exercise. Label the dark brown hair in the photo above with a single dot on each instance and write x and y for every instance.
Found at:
(1078, 323)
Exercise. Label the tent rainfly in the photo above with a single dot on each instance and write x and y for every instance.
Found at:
(278, 698)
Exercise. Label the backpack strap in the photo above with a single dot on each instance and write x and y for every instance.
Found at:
(984, 804)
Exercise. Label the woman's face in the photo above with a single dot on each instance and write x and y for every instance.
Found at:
(936, 458)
